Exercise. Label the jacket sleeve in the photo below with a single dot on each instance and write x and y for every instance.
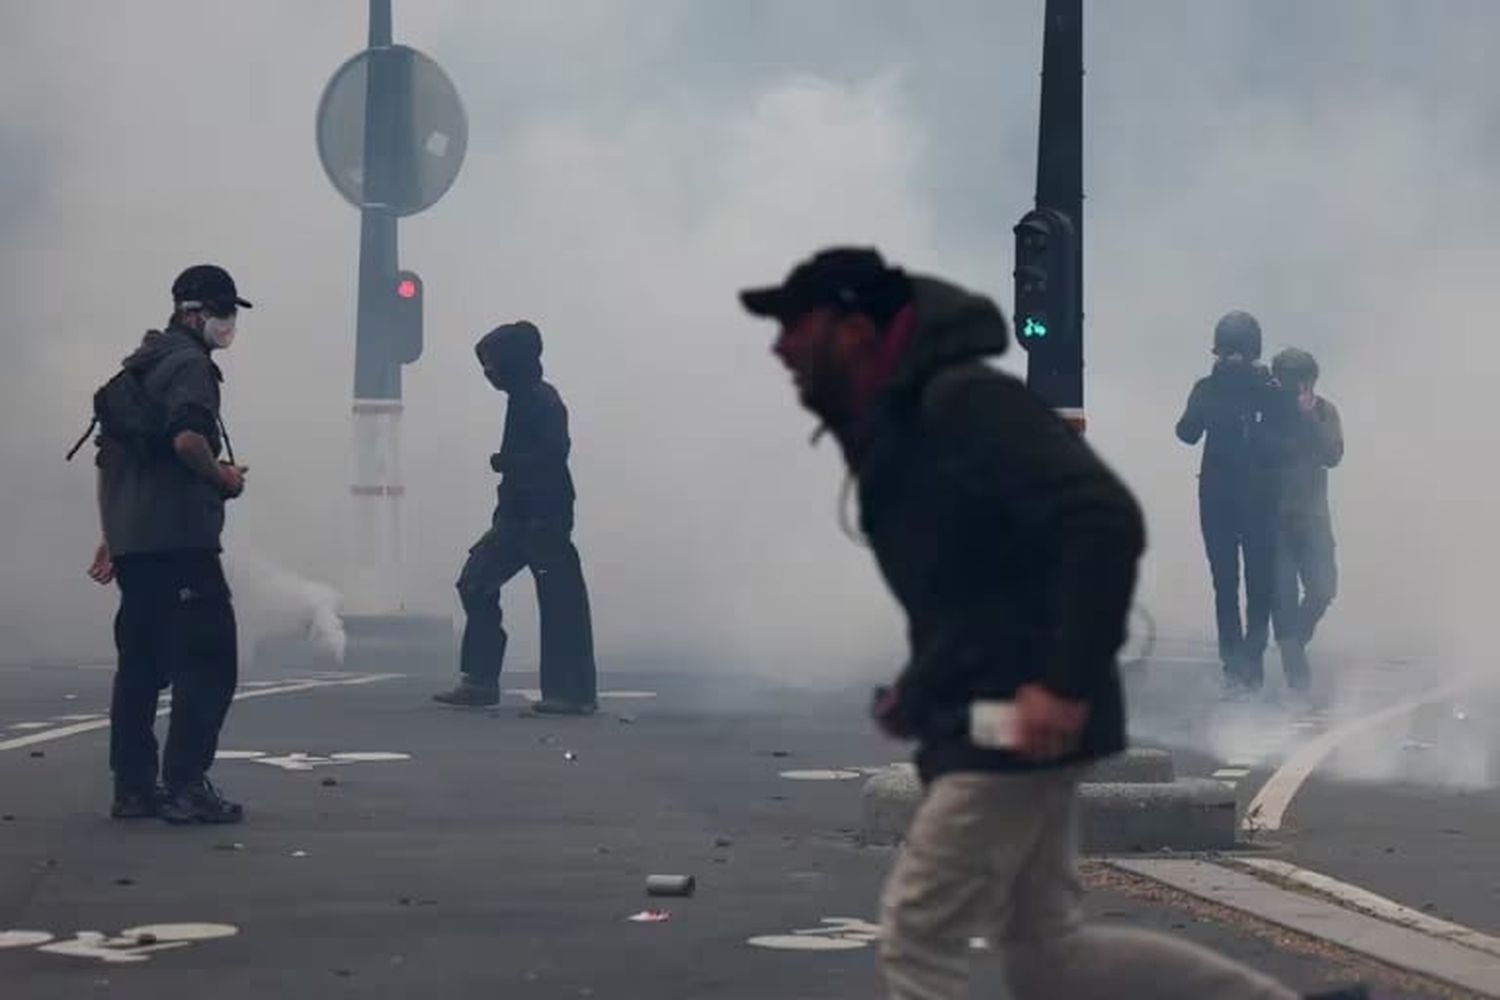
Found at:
(1330, 434)
(189, 394)
(1079, 523)
(1191, 425)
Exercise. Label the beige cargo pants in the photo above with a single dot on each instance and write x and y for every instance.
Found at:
(994, 856)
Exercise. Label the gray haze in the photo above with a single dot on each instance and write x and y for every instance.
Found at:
(1330, 166)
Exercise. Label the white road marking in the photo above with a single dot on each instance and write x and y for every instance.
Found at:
(293, 687)
(86, 717)
(26, 726)
(300, 761)
(1231, 773)
(1376, 905)
(816, 775)
(535, 694)
(137, 944)
(23, 939)
(1270, 804)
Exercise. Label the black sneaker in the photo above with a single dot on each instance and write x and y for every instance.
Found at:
(1346, 993)
(134, 803)
(556, 706)
(470, 695)
(199, 802)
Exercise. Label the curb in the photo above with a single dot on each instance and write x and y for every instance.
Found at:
(1186, 814)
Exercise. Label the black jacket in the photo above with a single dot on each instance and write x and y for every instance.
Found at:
(1011, 546)
(533, 456)
(1227, 410)
(161, 505)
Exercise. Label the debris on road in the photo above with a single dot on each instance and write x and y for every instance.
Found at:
(38, 753)
(650, 917)
(299, 854)
(671, 885)
(235, 846)
(570, 756)
(330, 782)
(124, 881)
(723, 842)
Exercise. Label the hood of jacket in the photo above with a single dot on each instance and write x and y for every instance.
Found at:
(952, 326)
(157, 344)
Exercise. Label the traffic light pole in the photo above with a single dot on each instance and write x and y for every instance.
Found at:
(377, 489)
(1056, 372)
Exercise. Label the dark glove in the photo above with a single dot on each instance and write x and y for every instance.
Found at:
(495, 462)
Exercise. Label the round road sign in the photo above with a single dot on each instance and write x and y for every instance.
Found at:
(391, 130)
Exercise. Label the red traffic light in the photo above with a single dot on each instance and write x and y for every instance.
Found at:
(406, 288)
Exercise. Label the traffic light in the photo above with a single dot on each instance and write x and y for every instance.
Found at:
(405, 312)
(1046, 304)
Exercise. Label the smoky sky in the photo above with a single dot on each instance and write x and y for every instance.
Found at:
(1329, 166)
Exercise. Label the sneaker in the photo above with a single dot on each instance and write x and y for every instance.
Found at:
(556, 706)
(134, 803)
(199, 802)
(470, 695)
(1356, 992)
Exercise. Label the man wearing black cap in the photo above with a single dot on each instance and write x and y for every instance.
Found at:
(1013, 550)
(532, 528)
(162, 489)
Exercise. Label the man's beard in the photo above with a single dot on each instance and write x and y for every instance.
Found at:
(827, 397)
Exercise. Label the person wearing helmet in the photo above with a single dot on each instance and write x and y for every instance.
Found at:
(1236, 493)
(1310, 441)
(532, 529)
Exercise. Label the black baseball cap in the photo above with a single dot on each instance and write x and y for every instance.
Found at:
(853, 279)
(207, 283)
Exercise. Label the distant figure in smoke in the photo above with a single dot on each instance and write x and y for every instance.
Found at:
(532, 528)
(1236, 493)
(1309, 439)
(162, 489)
(1013, 550)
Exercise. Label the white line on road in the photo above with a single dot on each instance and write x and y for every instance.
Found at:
(1375, 905)
(1232, 773)
(1269, 806)
(62, 732)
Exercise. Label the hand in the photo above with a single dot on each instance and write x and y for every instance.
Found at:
(886, 711)
(102, 569)
(495, 463)
(1047, 726)
(232, 479)
(1307, 400)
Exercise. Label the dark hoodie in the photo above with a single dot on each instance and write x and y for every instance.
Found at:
(533, 455)
(158, 506)
(1011, 546)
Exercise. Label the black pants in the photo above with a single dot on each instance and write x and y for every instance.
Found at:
(1239, 528)
(1307, 580)
(176, 628)
(545, 546)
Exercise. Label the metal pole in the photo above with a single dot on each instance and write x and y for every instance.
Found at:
(377, 488)
(1059, 185)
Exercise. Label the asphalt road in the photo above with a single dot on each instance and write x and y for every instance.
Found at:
(480, 853)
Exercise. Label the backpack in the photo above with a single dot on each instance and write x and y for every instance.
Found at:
(126, 414)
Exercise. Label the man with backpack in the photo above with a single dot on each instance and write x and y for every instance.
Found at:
(162, 489)
(1013, 550)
